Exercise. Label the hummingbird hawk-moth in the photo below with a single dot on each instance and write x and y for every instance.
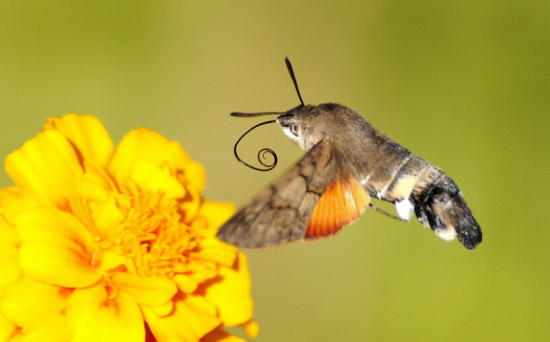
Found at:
(347, 163)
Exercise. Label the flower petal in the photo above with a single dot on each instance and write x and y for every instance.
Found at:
(149, 291)
(230, 293)
(10, 202)
(159, 150)
(9, 331)
(106, 216)
(195, 175)
(216, 213)
(163, 310)
(191, 319)
(46, 168)
(38, 308)
(55, 248)
(214, 250)
(96, 317)
(9, 256)
(150, 177)
(220, 335)
(185, 283)
(87, 134)
(190, 204)
(137, 143)
(251, 328)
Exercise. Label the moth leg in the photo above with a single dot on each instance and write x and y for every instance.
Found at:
(385, 213)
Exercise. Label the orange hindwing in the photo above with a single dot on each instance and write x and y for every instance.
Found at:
(341, 204)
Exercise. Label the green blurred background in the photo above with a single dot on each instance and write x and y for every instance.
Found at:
(464, 85)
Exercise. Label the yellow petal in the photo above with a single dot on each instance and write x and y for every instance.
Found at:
(106, 215)
(95, 317)
(9, 331)
(202, 271)
(51, 330)
(185, 283)
(190, 204)
(178, 160)
(137, 143)
(220, 335)
(251, 328)
(46, 168)
(55, 248)
(163, 310)
(111, 260)
(161, 152)
(38, 308)
(150, 291)
(87, 134)
(195, 175)
(9, 252)
(230, 293)
(10, 202)
(191, 319)
(212, 249)
(216, 213)
(95, 183)
(149, 177)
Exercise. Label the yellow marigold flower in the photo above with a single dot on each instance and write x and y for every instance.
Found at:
(105, 244)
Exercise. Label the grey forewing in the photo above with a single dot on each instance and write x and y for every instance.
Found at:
(280, 213)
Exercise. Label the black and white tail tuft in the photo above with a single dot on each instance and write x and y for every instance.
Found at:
(442, 207)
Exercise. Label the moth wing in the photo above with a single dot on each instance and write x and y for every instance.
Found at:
(280, 213)
(313, 200)
(342, 204)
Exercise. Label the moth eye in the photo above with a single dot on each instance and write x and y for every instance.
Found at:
(294, 129)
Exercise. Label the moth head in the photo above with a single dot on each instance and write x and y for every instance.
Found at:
(307, 125)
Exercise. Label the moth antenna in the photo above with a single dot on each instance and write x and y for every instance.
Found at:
(385, 213)
(291, 72)
(251, 115)
(262, 152)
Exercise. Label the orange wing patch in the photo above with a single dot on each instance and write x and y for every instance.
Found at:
(341, 204)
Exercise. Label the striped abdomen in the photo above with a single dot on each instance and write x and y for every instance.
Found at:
(411, 183)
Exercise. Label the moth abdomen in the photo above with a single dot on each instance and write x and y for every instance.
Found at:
(441, 206)
(413, 184)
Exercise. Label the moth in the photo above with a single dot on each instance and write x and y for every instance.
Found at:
(347, 163)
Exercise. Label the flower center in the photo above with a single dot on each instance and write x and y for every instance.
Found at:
(151, 239)
(154, 236)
